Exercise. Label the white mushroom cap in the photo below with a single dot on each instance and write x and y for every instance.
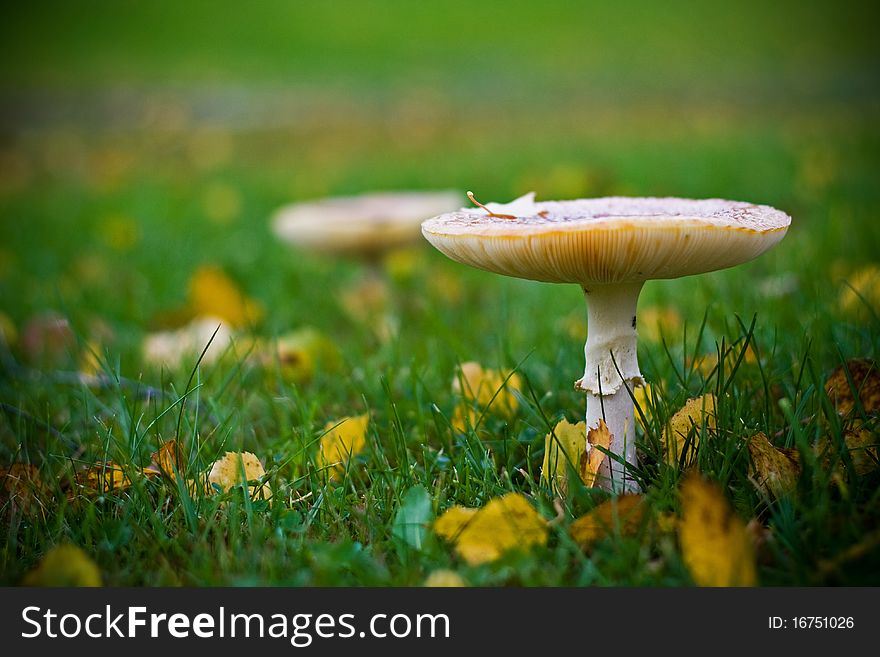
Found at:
(607, 240)
(361, 225)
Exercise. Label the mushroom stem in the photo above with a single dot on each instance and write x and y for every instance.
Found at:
(611, 368)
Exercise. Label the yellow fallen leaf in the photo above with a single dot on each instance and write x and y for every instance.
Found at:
(622, 515)
(644, 401)
(715, 543)
(483, 389)
(861, 289)
(22, 485)
(64, 565)
(564, 446)
(865, 377)
(444, 579)
(453, 521)
(504, 524)
(343, 439)
(569, 447)
(775, 470)
(656, 323)
(103, 477)
(168, 459)
(227, 472)
(693, 414)
(213, 294)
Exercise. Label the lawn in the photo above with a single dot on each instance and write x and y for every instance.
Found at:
(144, 144)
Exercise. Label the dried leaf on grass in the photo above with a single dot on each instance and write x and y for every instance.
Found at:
(227, 472)
(213, 293)
(568, 447)
(588, 468)
(692, 415)
(715, 543)
(861, 443)
(168, 459)
(484, 535)
(865, 387)
(621, 515)
(563, 447)
(343, 439)
(103, 477)
(774, 470)
(483, 389)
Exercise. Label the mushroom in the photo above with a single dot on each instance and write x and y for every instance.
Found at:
(610, 247)
(363, 226)
(366, 228)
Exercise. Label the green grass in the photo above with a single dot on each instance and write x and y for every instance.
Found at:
(502, 123)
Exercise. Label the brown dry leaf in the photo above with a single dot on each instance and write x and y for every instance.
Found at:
(482, 389)
(692, 415)
(622, 515)
(863, 446)
(343, 439)
(866, 379)
(484, 535)
(103, 477)
(227, 472)
(863, 449)
(775, 470)
(213, 294)
(715, 543)
(588, 466)
(64, 565)
(22, 485)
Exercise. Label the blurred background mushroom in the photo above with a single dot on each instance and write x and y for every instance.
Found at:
(368, 228)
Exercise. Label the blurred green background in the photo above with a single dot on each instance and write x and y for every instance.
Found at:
(141, 139)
